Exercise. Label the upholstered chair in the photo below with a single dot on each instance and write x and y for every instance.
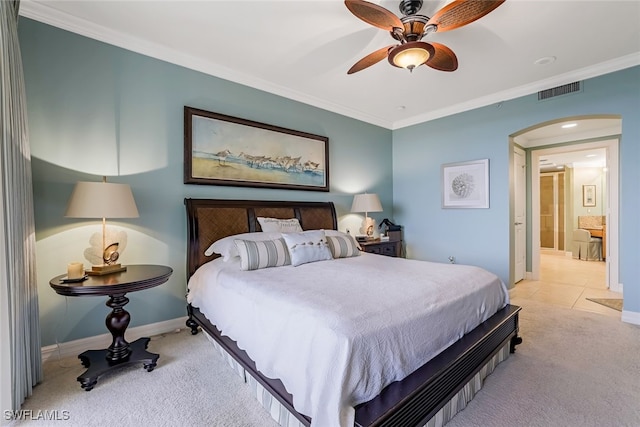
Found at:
(586, 247)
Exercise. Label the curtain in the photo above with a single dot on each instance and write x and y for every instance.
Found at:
(18, 236)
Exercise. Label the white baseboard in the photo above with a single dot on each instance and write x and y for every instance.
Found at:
(73, 348)
(616, 288)
(632, 317)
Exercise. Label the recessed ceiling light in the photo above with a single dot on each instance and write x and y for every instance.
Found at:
(544, 61)
(591, 155)
(569, 125)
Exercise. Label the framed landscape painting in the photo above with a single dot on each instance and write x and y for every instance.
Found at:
(466, 184)
(225, 150)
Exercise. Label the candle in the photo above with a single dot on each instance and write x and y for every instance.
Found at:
(75, 270)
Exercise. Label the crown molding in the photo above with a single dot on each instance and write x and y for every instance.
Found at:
(41, 12)
(591, 71)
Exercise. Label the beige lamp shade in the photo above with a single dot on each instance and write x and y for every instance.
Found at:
(366, 203)
(101, 200)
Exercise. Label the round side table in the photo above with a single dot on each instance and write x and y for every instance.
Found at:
(115, 285)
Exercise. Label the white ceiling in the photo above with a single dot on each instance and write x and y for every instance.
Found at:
(302, 49)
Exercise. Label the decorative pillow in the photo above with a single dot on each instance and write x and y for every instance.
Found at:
(308, 246)
(341, 233)
(279, 225)
(262, 253)
(227, 247)
(343, 246)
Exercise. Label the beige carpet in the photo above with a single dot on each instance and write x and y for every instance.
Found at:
(615, 303)
(191, 386)
(574, 368)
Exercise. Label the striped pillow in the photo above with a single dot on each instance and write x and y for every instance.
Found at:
(262, 254)
(343, 246)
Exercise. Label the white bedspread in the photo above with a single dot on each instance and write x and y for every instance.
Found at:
(337, 332)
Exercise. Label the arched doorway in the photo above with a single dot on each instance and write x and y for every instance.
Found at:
(601, 131)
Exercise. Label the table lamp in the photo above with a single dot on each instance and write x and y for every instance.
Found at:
(366, 203)
(103, 200)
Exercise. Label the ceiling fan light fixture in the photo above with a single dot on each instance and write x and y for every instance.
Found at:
(410, 55)
(412, 27)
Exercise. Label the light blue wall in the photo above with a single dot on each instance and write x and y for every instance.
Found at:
(95, 109)
(481, 236)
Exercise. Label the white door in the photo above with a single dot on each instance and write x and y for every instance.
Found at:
(520, 218)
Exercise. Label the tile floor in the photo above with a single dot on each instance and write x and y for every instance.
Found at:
(567, 282)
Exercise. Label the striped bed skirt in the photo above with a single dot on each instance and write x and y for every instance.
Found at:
(284, 418)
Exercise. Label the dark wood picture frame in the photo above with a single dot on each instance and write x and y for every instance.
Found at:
(230, 151)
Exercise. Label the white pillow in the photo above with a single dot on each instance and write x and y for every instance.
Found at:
(308, 246)
(262, 253)
(279, 225)
(227, 247)
(343, 246)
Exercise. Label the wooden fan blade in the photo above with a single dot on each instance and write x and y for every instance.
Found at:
(462, 12)
(443, 59)
(369, 60)
(374, 15)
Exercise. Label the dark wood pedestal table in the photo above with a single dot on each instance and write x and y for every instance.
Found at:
(115, 285)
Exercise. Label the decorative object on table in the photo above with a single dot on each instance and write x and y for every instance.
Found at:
(103, 200)
(225, 150)
(466, 184)
(410, 52)
(386, 226)
(588, 195)
(75, 271)
(366, 203)
(97, 254)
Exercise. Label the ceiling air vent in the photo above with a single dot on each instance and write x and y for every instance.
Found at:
(560, 90)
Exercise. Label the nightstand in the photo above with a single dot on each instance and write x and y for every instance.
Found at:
(388, 248)
(115, 285)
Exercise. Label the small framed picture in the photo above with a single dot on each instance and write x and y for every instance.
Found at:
(466, 184)
(588, 195)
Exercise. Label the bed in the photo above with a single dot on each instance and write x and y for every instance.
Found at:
(430, 393)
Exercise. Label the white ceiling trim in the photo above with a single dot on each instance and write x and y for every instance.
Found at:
(51, 16)
(496, 98)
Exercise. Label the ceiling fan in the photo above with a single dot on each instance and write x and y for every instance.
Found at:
(409, 30)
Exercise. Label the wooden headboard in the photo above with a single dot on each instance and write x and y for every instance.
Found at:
(209, 220)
